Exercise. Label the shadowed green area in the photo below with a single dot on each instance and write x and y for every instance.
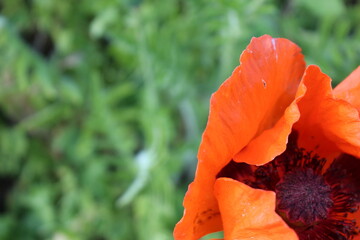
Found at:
(102, 103)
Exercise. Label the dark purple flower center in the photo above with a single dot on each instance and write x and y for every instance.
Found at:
(314, 201)
(303, 197)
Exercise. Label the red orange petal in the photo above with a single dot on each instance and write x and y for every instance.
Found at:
(327, 125)
(349, 89)
(274, 110)
(249, 213)
(272, 142)
(250, 102)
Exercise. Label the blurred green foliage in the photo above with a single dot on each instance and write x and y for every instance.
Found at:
(102, 103)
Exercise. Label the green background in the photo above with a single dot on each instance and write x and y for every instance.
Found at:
(103, 102)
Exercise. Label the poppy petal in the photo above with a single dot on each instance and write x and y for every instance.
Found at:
(250, 102)
(357, 237)
(327, 126)
(279, 101)
(349, 89)
(249, 213)
(356, 216)
(272, 142)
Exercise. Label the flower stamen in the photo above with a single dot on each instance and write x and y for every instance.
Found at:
(303, 197)
(314, 201)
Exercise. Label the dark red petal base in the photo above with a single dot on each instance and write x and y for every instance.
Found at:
(314, 201)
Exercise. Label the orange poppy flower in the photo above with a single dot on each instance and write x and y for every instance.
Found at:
(279, 158)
